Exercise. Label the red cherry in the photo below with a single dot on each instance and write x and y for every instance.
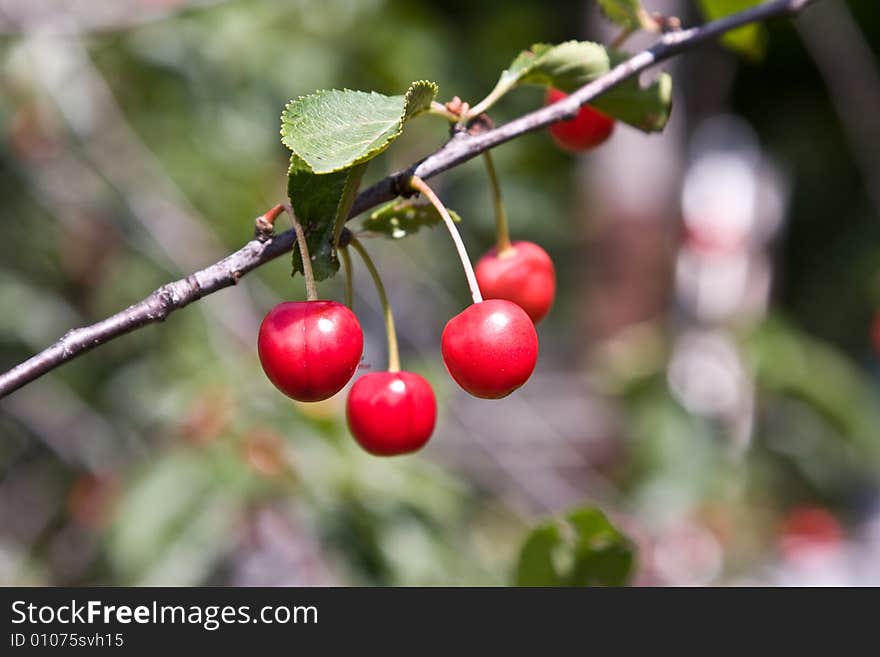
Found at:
(490, 348)
(391, 413)
(588, 129)
(310, 349)
(809, 529)
(523, 274)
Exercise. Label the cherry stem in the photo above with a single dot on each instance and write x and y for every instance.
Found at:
(311, 288)
(421, 186)
(346, 265)
(393, 354)
(501, 228)
(501, 88)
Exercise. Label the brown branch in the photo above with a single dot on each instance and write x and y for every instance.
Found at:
(461, 148)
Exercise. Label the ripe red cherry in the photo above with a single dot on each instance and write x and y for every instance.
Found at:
(310, 349)
(588, 129)
(391, 413)
(523, 274)
(490, 348)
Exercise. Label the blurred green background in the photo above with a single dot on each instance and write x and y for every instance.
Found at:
(708, 375)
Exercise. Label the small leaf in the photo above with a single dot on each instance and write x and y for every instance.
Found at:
(336, 129)
(603, 555)
(314, 199)
(647, 108)
(584, 549)
(566, 66)
(333, 134)
(749, 40)
(626, 13)
(418, 98)
(570, 65)
(403, 217)
(536, 566)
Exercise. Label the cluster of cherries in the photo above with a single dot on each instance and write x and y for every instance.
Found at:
(311, 349)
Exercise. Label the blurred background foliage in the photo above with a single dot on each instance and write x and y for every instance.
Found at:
(710, 382)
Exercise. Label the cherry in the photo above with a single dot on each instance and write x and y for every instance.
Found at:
(391, 413)
(588, 129)
(310, 349)
(809, 530)
(523, 274)
(490, 348)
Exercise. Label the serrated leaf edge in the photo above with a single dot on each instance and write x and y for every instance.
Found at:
(408, 112)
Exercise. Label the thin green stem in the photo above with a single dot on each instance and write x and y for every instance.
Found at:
(422, 187)
(501, 88)
(393, 354)
(311, 288)
(439, 109)
(349, 193)
(502, 231)
(349, 286)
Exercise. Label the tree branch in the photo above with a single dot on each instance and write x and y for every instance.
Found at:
(461, 148)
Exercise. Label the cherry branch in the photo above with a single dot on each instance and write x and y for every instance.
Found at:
(460, 148)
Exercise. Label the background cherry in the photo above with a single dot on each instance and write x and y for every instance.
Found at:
(490, 348)
(588, 129)
(523, 274)
(808, 530)
(391, 413)
(310, 349)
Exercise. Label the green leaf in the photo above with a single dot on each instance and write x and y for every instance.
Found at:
(603, 555)
(749, 40)
(333, 134)
(566, 66)
(168, 521)
(403, 217)
(315, 199)
(647, 108)
(783, 359)
(335, 129)
(626, 13)
(570, 65)
(536, 566)
(582, 549)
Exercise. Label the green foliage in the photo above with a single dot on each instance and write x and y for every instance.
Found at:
(647, 108)
(570, 65)
(626, 13)
(749, 40)
(332, 135)
(581, 549)
(403, 217)
(334, 130)
(786, 361)
(317, 200)
(566, 66)
(173, 512)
